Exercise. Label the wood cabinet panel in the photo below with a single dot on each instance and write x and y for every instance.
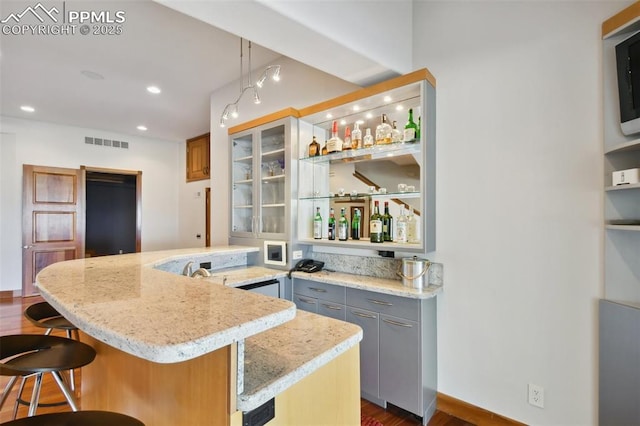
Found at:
(198, 160)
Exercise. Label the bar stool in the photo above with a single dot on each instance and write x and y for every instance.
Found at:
(79, 418)
(26, 355)
(44, 315)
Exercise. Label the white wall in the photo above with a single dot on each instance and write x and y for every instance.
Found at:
(519, 201)
(45, 144)
(300, 86)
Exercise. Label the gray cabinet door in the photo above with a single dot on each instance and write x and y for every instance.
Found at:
(400, 369)
(305, 303)
(369, 356)
(333, 310)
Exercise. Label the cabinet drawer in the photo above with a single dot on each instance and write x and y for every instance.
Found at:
(328, 292)
(309, 304)
(332, 310)
(397, 306)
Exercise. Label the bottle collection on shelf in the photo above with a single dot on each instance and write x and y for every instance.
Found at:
(381, 226)
(385, 134)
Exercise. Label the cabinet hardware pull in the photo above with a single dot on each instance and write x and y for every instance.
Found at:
(400, 324)
(335, 308)
(358, 314)
(318, 290)
(311, 302)
(378, 302)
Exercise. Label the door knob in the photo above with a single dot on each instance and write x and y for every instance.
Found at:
(27, 247)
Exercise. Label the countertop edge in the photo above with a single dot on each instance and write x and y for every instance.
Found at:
(252, 401)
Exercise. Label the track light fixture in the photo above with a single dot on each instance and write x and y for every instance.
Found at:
(231, 109)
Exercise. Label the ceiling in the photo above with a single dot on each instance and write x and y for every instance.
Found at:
(187, 58)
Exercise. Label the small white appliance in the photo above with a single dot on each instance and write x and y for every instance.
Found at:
(275, 253)
(624, 177)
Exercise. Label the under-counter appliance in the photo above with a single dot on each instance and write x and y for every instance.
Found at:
(275, 253)
(267, 288)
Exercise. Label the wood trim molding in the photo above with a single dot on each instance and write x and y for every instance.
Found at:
(422, 74)
(621, 19)
(283, 113)
(471, 413)
(10, 294)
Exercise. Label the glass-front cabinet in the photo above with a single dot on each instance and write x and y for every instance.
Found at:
(261, 166)
(396, 172)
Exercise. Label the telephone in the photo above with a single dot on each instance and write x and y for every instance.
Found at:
(307, 265)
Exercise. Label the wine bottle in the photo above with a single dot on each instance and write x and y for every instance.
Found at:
(383, 131)
(375, 225)
(367, 142)
(314, 148)
(332, 225)
(324, 149)
(343, 227)
(356, 137)
(317, 225)
(401, 227)
(413, 235)
(346, 144)
(410, 129)
(396, 135)
(334, 144)
(387, 224)
(355, 225)
(419, 128)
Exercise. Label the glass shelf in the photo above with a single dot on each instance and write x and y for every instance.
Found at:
(364, 244)
(243, 182)
(276, 177)
(245, 206)
(365, 196)
(274, 205)
(246, 160)
(273, 155)
(366, 154)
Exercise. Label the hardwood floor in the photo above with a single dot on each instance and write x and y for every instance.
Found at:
(12, 321)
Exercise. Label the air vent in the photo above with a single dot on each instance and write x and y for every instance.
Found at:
(106, 142)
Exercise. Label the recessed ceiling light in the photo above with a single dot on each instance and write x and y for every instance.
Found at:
(399, 107)
(329, 115)
(356, 108)
(27, 108)
(343, 122)
(387, 98)
(369, 115)
(143, 128)
(92, 75)
(154, 89)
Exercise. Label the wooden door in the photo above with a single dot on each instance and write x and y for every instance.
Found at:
(52, 219)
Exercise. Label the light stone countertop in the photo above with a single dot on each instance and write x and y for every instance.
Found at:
(124, 301)
(364, 282)
(280, 357)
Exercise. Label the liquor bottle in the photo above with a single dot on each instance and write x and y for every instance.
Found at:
(419, 128)
(324, 149)
(410, 129)
(401, 227)
(396, 135)
(346, 144)
(343, 227)
(355, 225)
(413, 235)
(367, 142)
(332, 225)
(356, 137)
(387, 223)
(334, 144)
(314, 148)
(383, 131)
(375, 225)
(317, 225)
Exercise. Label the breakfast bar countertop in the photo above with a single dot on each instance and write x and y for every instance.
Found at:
(126, 302)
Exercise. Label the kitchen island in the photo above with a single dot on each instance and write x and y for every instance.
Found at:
(179, 350)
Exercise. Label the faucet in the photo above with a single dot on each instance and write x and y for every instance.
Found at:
(187, 268)
(200, 272)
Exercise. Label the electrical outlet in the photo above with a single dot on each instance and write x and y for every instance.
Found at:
(536, 395)
(297, 254)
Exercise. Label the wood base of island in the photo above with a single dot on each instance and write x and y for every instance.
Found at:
(193, 392)
(199, 391)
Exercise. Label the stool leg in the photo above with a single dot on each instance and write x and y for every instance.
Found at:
(7, 390)
(72, 378)
(19, 396)
(65, 390)
(35, 396)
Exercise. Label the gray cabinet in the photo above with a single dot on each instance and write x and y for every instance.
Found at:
(398, 348)
(369, 351)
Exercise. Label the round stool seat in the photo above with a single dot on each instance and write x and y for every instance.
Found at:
(39, 353)
(45, 316)
(78, 418)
